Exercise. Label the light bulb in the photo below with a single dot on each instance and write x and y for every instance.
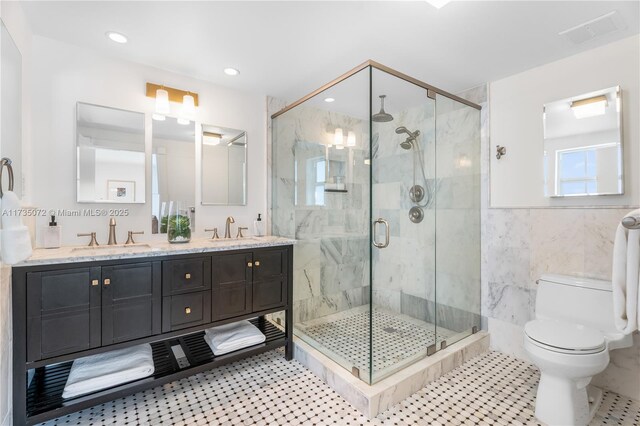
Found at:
(158, 117)
(188, 106)
(162, 102)
(351, 139)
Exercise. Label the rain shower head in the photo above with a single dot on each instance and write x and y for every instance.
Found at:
(382, 116)
(407, 143)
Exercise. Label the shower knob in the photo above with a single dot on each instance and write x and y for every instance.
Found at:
(416, 193)
(416, 214)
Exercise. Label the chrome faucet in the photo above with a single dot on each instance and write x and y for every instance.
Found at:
(227, 227)
(112, 232)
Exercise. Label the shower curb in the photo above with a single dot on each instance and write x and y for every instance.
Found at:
(372, 400)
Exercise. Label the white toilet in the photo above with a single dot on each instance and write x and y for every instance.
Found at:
(569, 341)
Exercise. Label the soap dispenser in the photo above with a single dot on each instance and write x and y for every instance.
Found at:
(52, 234)
(258, 227)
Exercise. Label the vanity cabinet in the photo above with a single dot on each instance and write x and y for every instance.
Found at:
(71, 310)
(65, 311)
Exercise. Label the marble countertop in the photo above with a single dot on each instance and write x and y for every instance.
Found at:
(153, 249)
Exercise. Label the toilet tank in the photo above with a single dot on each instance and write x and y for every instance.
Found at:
(579, 300)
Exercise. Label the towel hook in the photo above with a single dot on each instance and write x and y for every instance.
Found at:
(5, 161)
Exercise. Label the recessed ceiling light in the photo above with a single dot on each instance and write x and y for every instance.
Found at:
(117, 37)
(231, 71)
(329, 100)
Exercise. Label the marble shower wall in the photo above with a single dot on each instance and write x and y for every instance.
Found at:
(408, 272)
(331, 263)
(518, 245)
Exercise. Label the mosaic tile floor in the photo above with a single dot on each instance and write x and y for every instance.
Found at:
(396, 338)
(491, 389)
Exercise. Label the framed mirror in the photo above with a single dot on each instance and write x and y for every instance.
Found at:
(583, 145)
(110, 151)
(224, 166)
(173, 156)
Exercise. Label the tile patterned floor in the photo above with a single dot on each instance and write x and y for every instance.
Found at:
(492, 389)
(395, 338)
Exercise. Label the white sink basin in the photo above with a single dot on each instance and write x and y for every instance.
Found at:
(101, 250)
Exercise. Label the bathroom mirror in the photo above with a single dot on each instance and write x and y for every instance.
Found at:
(173, 157)
(110, 150)
(224, 166)
(583, 145)
(11, 107)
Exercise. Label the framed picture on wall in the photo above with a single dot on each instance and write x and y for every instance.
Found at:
(122, 191)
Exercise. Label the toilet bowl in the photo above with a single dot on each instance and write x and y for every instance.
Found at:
(569, 341)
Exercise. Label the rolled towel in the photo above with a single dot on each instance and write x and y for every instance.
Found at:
(97, 372)
(16, 245)
(15, 237)
(625, 278)
(232, 337)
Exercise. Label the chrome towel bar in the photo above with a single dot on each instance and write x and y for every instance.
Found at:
(6, 162)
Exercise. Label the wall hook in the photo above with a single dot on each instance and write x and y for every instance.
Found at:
(500, 151)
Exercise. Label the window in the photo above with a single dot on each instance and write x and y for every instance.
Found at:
(577, 172)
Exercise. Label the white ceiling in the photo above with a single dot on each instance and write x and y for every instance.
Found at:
(287, 49)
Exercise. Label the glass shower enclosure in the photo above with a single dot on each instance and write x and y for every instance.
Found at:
(377, 177)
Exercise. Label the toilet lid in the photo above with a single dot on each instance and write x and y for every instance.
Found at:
(565, 336)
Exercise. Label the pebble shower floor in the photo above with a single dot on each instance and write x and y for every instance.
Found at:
(491, 389)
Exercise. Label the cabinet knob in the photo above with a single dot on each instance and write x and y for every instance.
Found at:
(95, 282)
(250, 265)
(107, 281)
(187, 276)
(257, 263)
(187, 310)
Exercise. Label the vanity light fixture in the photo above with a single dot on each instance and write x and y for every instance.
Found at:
(158, 117)
(117, 37)
(338, 138)
(329, 100)
(590, 107)
(210, 138)
(163, 95)
(231, 71)
(351, 138)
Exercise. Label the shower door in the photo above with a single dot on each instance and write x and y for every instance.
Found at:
(403, 224)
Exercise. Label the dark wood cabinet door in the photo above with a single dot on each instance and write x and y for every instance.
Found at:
(232, 285)
(131, 301)
(269, 293)
(269, 263)
(63, 312)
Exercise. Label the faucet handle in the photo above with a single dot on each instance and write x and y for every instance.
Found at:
(130, 237)
(240, 229)
(215, 233)
(93, 241)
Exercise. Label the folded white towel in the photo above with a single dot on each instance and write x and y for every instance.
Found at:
(97, 372)
(625, 278)
(16, 245)
(232, 337)
(15, 237)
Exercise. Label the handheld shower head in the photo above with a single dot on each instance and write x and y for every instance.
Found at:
(407, 143)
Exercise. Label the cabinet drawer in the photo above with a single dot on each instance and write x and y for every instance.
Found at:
(269, 294)
(269, 263)
(186, 310)
(184, 276)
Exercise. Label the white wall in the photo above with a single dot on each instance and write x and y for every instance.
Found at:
(64, 74)
(516, 122)
(16, 23)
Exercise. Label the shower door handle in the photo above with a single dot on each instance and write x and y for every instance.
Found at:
(386, 233)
